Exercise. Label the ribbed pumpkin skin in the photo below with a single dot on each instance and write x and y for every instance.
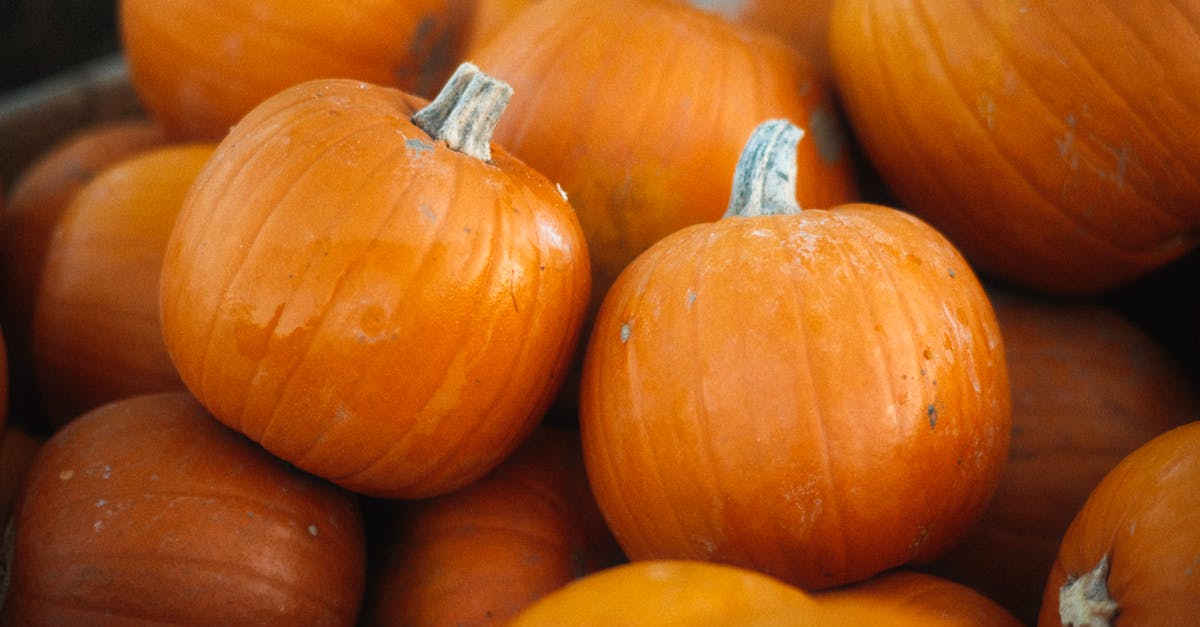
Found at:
(1015, 129)
(366, 303)
(36, 200)
(640, 108)
(1143, 516)
(684, 594)
(480, 555)
(200, 65)
(149, 511)
(819, 396)
(97, 336)
(803, 24)
(1088, 387)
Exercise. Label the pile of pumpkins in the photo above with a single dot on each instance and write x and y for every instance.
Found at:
(634, 312)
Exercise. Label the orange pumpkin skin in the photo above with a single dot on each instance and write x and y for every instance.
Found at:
(200, 65)
(399, 334)
(803, 24)
(818, 396)
(1142, 516)
(37, 198)
(148, 510)
(480, 555)
(643, 143)
(1012, 128)
(1088, 387)
(97, 336)
(666, 593)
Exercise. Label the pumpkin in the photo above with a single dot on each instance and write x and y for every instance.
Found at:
(1051, 162)
(643, 143)
(39, 195)
(384, 306)
(1132, 553)
(480, 555)
(199, 65)
(819, 395)
(148, 510)
(1088, 387)
(666, 593)
(97, 336)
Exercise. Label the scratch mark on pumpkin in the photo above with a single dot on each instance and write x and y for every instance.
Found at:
(66, 474)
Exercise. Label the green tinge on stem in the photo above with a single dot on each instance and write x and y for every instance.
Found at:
(764, 182)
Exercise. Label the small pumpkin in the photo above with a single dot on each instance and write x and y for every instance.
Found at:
(39, 195)
(148, 510)
(640, 108)
(200, 65)
(1131, 556)
(480, 555)
(1013, 128)
(97, 335)
(384, 306)
(1088, 387)
(666, 593)
(816, 394)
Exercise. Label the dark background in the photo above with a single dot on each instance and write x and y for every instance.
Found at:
(39, 38)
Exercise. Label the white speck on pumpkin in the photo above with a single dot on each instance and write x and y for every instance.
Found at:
(66, 474)
(312, 530)
(626, 331)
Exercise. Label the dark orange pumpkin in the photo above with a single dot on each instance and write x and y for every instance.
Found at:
(38, 197)
(147, 510)
(819, 395)
(1088, 388)
(1132, 553)
(682, 593)
(480, 555)
(1015, 128)
(97, 336)
(200, 65)
(368, 302)
(639, 109)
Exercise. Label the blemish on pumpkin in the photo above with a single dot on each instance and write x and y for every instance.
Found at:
(951, 272)
(922, 535)
(626, 331)
(416, 145)
(691, 298)
(561, 192)
(427, 213)
(932, 413)
(312, 530)
(101, 503)
(66, 474)
(928, 353)
(98, 525)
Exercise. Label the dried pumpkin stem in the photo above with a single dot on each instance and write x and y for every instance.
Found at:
(764, 181)
(1084, 601)
(465, 113)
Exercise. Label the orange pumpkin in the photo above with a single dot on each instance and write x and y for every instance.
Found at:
(1015, 129)
(639, 109)
(803, 24)
(1132, 554)
(200, 65)
(97, 336)
(480, 555)
(817, 394)
(381, 305)
(682, 593)
(38, 197)
(147, 510)
(1088, 387)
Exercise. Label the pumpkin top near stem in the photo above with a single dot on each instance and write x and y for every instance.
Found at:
(764, 181)
(465, 112)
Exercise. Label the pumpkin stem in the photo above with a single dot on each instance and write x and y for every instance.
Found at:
(1084, 601)
(764, 181)
(465, 113)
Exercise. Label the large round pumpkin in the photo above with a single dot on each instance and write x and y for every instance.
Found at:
(147, 510)
(1088, 387)
(97, 336)
(818, 395)
(639, 109)
(480, 555)
(1053, 142)
(368, 302)
(1132, 554)
(200, 65)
